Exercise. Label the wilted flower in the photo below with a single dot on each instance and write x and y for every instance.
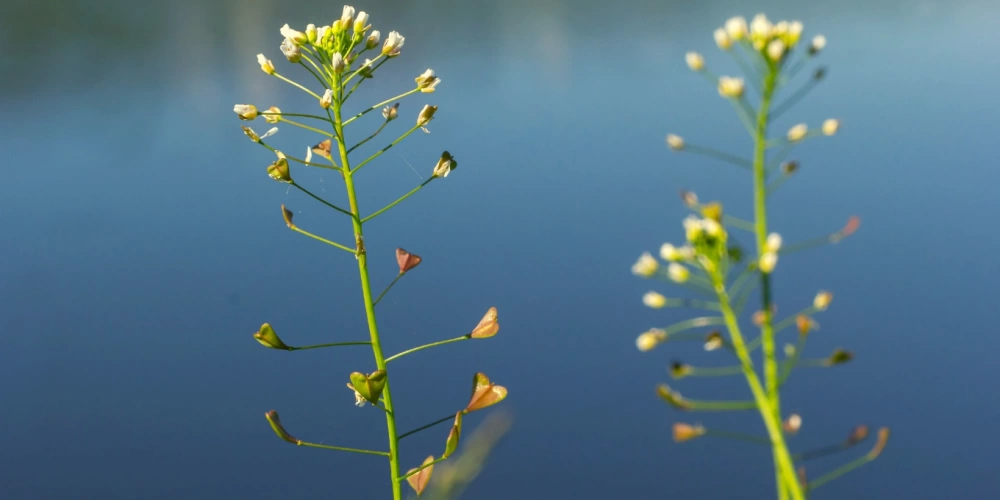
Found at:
(776, 49)
(390, 112)
(648, 340)
(730, 87)
(406, 260)
(293, 36)
(392, 44)
(839, 357)
(646, 266)
(736, 27)
(257, 138)
(713, 341)
(327, 98)
(265, 64)
(685, 432)
(361, 22)
(273, 115)
(426, 114)
(822, 300)
(805, 324)
(818, 43)
(279, 169)
(427, 81)
(373, 40)
(773, 242)
(654, 300)
(287, 215)
(722, 39)
(678, 273)
(767, 262)
(290, 50)
(675, 142)
(797, 132)
(444, 165)
(245, 111)
(831, 126)
(695, 61)
(323, 148)
(789, 167)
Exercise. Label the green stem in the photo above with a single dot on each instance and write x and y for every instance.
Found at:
(720, 371)
(738, 223)
(719, 155)
(320, 238)
(405, 196)
(400, 275)
(840, 471)
(796, 97)
(786, 368)
(321, 200)
(370, 137)
(428, 426)
(741, 110)
(341, 448)
(422, 467)
(300, 115)
(694, 323)
(355, 73)
(307, 127)
(321, 80)
(379, 105)
(693, 303)
(738, 436)
(335, 344)
(383, 150)
(297, 85)
(426, 346)
(366, 291)
(299, 160)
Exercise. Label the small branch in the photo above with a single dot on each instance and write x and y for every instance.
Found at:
(299, 160)
(307, 127)
(794, 98)
(400, 275)
(355, 72)
(341, 448)
(428, 426)
(405, 196)
(721, 371)
(422, 467)
(738, 223)
(321, 80)
(379, 105)
(426, 346)
(324, 240)
(383, 150)
(299, 115)
(297, 85)
(751, 74)
(370, 137)
(844, 469)
(321, 200)
(693, 303)
(738, 436)
(694, 323)
(335, 344)
(744, 114)
(719, 155)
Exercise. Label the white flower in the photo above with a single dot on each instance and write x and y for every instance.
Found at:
(321, 33)
(822, 300)
(274, 115)
(780, 29)
(654, 300)
(794, 33)
(714, 342)
(646, 266)
(648, 340)
(773, 243)
(798, 132)
(693, 228)
(291, 51)
(793, 424)
(695, 61)
(345, 18)
(361, 22)
(265, 64)
(245, 111)
(722, 39)
(767, 262)
(269, 133)
(712, 228)
(776, 49)
(337, 61)
(760, 27)
(392, 44)
(327, 99)
(426, 114)
(736, 27)
(427, 80)
(831, 126)
(675, 142)
(373, 40)
(678, 273)
(312, 34)
(309, 154)
(730, 87)
(671, 253)
(296, 37)
(818, 44)
(390, 112)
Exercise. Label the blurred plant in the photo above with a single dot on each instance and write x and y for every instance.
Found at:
(713, 263)
(331, 54)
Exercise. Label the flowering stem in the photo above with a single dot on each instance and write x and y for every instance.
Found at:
(735, 160)
(321, 200)
(307, 127)
(355, 73)
(383, 150)
(366, 292)
(379, 105)
(370, 137)
(422, 467)
(428, 426)
(694, 323)
(297, 85)
(426, 346)
(405, 196)
(319, 238)
(335, 344)
(341, 448)
(400, 275)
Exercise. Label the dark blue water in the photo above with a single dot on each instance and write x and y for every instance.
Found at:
(143, 245)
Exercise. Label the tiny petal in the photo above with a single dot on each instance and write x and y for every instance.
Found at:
(675, 142)
(265, 64)
(798, 132)
(312, 34)
(270, 132)
(373, 40)
(309, 155)
(646, 266)
(695, 61)
(654, 300)
(831, 126)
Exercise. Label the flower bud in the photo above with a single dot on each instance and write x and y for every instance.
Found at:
(839, 357)
(291, 51)
(776, 49)
(793, 424)
(373, 40)
(722, 39)
(671, 253)
(672, 397)
(287, 215)
(831, 126)
(361, 23)
(820, 73)
(678, 273)
(730, 87)
(773, 242)
(279, 169)
(646, 266)
(685, 432)
(245, 111)
(714, 341)
(293, 36)
(265, 64)
(427, 81)
(797, 133)
(858, 434)
(693, 228)
(272, 418)
(822, 300)
(695, 61)
(767, 262)
(654, 300)
(337, 61)
(267, 338)
(790, 350)
(273, 115)
(390, 112)
(675, 142)
(407, 260)
(312, 34)
(323, 34)
(444, 165)
(712, 211)
(789, 167)
(794, 33)
(327, 98)
(736, 27)
(347, 16)
(648, 340)
(713, 229)
(338, 27)
(679, 370)
(805, 324)
(760, 27)
(426, 114)
(393, 43)
(818, 44)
